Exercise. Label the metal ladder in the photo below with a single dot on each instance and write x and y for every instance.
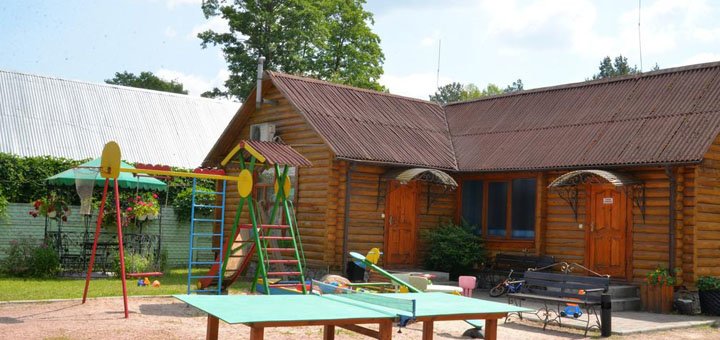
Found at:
(216, 252)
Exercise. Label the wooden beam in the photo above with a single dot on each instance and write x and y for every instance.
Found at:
(362, 330)
(329, 332)
(212, 328)
(427, 331)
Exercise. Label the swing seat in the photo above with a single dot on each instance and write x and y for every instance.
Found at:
(141, 275)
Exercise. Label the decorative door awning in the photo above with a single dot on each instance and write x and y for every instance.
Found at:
(429, 176)
(567, 186)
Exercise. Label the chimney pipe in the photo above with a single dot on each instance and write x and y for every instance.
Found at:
(258, 94)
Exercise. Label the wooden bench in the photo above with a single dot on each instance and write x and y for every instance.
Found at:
(502, 264)
(557, 290)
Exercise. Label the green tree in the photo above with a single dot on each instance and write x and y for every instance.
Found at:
(456, 92)
(515, 87)
(146, 80)
(327, 39)
(619, 67)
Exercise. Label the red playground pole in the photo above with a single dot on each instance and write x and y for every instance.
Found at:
(95, 242)
(122, 247)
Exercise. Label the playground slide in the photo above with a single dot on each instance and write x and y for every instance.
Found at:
(235, 264)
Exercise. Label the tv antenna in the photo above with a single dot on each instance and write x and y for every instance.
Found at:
(437, 76)
(640, 35)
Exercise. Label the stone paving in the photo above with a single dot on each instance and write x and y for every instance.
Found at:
(623, 323)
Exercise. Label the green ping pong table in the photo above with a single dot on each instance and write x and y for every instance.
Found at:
(346, 311)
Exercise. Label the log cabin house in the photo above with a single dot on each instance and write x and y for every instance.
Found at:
(620, 175)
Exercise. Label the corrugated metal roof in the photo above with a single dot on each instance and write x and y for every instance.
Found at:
(668, 116)
(278, 153)
(371, 126)
(63, 118)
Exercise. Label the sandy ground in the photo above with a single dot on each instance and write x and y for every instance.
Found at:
(167, 318)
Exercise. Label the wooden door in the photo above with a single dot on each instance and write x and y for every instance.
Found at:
(400, 224)
(607, 230)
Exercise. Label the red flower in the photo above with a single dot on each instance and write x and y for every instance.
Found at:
(37, 204)
(129, 209)
(155, 196)
(64, 218)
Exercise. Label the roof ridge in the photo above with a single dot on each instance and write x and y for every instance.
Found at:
(589, 123)
(349, 87)
(120, 87)
(594, 82)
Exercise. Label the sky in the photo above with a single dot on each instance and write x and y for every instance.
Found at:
(542, 42)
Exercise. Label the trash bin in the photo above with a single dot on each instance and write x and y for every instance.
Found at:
(354, 272)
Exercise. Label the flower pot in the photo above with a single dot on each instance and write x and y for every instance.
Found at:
(657, 299)
(710, 302)
(51, 214)
(152, 217)
(141, 217)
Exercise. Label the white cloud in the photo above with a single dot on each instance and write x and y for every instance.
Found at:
(170, 32)
(430, 40)
(194, 84)
(702, 58)
(174, 3)
(417, 85)
(216, 24)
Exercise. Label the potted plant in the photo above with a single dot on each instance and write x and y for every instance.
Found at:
(709, 292)
(656, 294)
(53, 207)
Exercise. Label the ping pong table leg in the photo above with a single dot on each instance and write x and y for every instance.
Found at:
(491, 329)
(385, 330)
(427, 333)
(257, 333)
(212, 328)
(329, 332)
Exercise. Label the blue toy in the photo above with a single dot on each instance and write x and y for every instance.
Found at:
(572, 310)
(141, 283)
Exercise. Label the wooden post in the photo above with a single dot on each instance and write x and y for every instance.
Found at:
(427, 332)
(212, 328)
(329, 332)
(491, 329)
(257, 333)
(385, 330)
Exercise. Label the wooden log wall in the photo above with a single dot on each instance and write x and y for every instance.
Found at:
(707, 214)
(368, 189)
(650, 245)
(317, 196)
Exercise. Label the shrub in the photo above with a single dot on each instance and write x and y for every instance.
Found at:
(708, 283)
(453, 248)
(183, 202)
(19, 258)
(134, 263)
(26, 259)
(3, 205)
(45, 262)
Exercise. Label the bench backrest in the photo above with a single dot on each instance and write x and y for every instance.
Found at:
(564, 285)
(521, 263)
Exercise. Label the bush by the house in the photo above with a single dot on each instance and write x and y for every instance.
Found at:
(183, 202)
(709, 292)
(453, 248)
(27, 258)
(3, 205)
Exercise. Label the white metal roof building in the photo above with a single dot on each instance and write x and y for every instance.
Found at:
(73, 119)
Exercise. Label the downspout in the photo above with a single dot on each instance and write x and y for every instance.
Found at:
(346, 226)
(670, 173)
(258, 87)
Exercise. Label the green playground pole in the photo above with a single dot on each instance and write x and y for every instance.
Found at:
(283, 195)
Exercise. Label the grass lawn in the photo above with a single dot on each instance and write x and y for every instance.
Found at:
(173, 282)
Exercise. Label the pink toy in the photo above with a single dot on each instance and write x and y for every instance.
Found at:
(467, 283)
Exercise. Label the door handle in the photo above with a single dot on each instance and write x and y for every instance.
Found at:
(390, 221)
(592, 226)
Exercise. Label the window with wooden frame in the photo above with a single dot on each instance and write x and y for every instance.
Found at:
(504, 209)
